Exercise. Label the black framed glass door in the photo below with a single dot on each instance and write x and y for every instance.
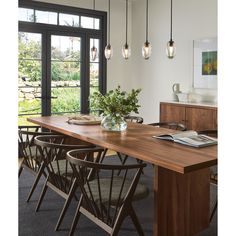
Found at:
(57, 41)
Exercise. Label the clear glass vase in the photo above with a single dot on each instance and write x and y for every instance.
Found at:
(114, 123)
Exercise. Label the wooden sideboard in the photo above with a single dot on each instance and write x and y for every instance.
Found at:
(194, 117)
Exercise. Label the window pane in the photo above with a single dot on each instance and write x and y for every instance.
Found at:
(46, 17)
(94, 74)
(29, 46)
(67, 100)
(89, 22)
(69, 20)
(65, 48)
(29, 75)
(26, 14)
(64, 72)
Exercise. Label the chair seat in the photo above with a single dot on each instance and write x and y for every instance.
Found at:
(140, 192)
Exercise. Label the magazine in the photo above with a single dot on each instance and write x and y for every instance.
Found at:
(190, 138)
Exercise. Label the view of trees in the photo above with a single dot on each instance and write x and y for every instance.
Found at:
(65, 64)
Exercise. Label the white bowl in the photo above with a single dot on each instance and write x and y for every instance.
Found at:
(183, 97)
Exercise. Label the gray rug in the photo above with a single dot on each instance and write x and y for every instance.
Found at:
(43, 222)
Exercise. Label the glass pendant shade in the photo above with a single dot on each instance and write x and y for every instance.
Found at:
(94, 53)
(170, 49)
(108, 52)
(147, 47)
(126, 51)
(146, 50)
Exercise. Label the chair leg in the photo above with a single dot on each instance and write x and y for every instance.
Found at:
(103, 155)
(136, 221)
(213, 211)
(45, 187)
(76, 218)
(120, 217)
(39, 174)
(66, 204)
(122, 160)
(20, 171)
(76, 198)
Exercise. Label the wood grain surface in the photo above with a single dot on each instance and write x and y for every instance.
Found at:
(137, 142)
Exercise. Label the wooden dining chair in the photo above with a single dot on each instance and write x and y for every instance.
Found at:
(107, 198)
(170, 125)
(28, 152)
(213, 169)
(135, 119)
(60, 178)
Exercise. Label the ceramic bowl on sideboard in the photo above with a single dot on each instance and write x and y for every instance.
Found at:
(183, 97)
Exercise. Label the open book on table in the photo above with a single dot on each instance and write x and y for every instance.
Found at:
(190, 138)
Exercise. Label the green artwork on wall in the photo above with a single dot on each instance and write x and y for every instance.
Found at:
(209, 63)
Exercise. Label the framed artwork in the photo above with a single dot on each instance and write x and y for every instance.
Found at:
(205, 63)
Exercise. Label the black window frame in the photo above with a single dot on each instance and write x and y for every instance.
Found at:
(49, 29)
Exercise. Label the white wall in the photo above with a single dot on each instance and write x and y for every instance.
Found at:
(192, 19)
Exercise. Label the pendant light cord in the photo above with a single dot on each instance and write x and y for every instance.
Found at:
(126, 21)
(109, 20)
(147, 21)
(171, 20)
(93, 21)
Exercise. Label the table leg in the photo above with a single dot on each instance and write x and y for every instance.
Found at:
(181, 202)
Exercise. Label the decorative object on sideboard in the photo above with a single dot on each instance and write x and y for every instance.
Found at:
(183, 97)
(176, 90)
(205, 63)
(94, 50)
(147, 47)
(108, 49)
(126, 51)
(170, 49)
(115, 105)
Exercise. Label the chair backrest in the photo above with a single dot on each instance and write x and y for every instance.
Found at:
(53, 149)
(26, 146)
(170, 125)
(106, 193)
(136, 119)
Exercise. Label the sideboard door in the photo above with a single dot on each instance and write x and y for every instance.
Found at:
(169, 113)
(200, 119)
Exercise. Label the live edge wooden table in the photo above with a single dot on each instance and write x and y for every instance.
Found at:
(181, 175)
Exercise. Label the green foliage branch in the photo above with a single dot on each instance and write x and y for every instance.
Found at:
(116, 103)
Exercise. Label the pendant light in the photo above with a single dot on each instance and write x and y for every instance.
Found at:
(170, 49)
(147, 47)
(108, 49)
(126, 52)
(94, 50)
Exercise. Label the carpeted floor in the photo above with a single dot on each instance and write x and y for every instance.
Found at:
(43, 222)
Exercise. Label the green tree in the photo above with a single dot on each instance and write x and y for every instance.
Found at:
(29, 51)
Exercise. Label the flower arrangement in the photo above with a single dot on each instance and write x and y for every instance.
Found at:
(116, 104)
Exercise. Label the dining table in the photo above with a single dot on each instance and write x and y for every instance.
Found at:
(181, 180)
